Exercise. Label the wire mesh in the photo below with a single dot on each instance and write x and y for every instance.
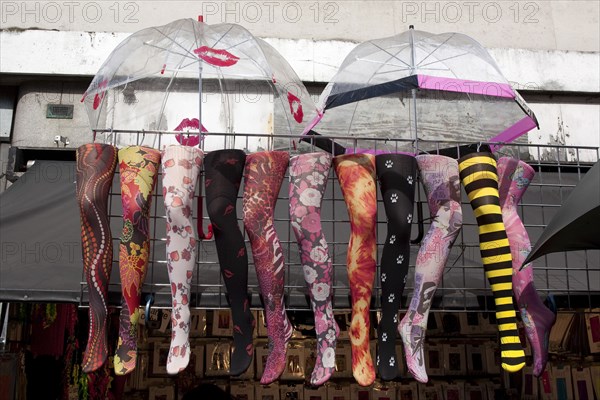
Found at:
(573, 278)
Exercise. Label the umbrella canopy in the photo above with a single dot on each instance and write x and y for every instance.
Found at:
(417, 85)
(188, 75)
(576, 225)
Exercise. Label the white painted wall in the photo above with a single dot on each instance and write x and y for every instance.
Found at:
(541, 24)
(82, 53)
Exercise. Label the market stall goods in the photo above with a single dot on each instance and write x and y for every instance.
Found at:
(356, 175)
(138, 167)
(96, 164)
(308, 181)
(439, 176)
(514, 177)
(263, 175)
(397, 174)
(181, 168)
(480, 179)
(223, 171)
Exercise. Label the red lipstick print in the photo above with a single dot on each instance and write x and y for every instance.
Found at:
(296, 104)
(220, 58)
(99, 96)
(228, 210)
(189, 124)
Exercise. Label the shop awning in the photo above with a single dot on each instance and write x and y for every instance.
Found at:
(40, 236)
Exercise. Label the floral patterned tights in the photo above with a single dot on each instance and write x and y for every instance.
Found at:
(308, 180)
(181, 167)
(138, 167)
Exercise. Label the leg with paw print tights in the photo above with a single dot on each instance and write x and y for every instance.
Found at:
(480, 179)
(138, 167)
(514, 178)
(439, 176)
(223, 171)
(96, 165)
(181, 167)
(263, 174)
(397, 178)
(356, 174)
(308, 180)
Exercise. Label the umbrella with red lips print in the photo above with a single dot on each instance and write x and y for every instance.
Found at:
(189, 78)
(420, 91)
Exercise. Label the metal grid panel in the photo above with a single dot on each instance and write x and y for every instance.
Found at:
(574, 278)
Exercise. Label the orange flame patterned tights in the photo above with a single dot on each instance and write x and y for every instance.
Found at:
(356, 174)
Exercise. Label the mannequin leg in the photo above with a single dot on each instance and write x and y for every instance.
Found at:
(138, 167)
(223, 173)
(439, 175)
(356, 174)
(263, 175)
(96, 165)
(308, 181)
(397, 180)
(514, 178)
(478, 175)
(181, 167)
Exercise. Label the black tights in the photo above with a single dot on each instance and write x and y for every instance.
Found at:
(223, 174)
(397, 180)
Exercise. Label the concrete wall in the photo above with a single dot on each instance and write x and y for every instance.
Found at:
(547, 24)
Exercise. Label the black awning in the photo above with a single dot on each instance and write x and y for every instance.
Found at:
(40, 238)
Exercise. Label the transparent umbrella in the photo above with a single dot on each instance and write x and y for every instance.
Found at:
(418, 86)
(186, 75)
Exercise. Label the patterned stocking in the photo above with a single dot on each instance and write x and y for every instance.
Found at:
(139, 171)
(478, 175)
(308, 180)
(223, 173)
(96, 165)
(514, 178)
(263, 174)
(356, 174)
(397, 174)
(181, 167)
(439, 175)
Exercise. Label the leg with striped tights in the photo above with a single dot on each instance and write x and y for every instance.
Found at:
(480, 179)
(96, 165)
(223, 171)
(138, 167)
(514, 178)
(308, 181)
(356, 174)
(397, 181)
(439, 175)
(181, 168)
(263, 174)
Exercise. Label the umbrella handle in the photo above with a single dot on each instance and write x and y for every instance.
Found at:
(201, 234)
(420, 225)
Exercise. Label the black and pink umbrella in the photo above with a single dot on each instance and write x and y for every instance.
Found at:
(419, 89)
